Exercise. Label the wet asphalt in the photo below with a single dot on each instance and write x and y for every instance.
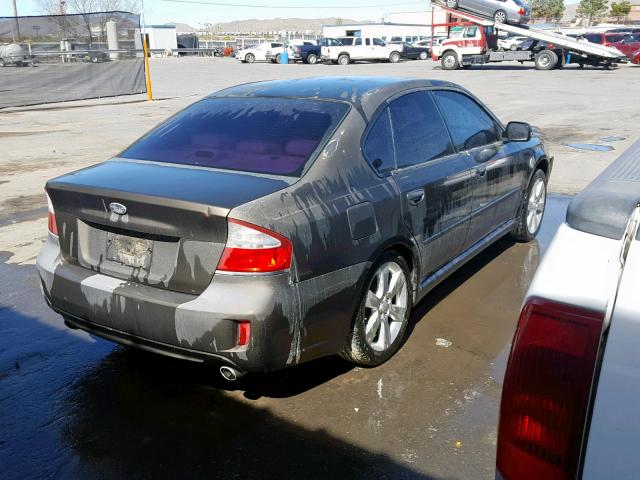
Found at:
(75, 406)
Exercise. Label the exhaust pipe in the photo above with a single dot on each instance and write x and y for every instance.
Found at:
(230, 374)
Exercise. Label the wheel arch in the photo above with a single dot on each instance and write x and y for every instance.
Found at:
(408, 251)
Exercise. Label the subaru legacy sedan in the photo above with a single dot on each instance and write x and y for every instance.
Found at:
(277, 222)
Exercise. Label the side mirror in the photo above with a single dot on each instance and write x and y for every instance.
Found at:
(518, 132)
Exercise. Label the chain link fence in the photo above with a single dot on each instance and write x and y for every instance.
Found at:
(57, 58)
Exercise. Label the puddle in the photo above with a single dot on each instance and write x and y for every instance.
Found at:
(590, 146)
(612, 138)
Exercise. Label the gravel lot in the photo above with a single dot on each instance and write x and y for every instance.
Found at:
(72, 406)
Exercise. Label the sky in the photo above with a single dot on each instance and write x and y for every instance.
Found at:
(162, 11)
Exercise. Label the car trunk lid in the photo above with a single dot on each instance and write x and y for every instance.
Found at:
(151, 223)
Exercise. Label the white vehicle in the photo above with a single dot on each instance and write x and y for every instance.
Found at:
(570, 394)
(510, 43)
(13, 54)
(355, 49)
(257, 54)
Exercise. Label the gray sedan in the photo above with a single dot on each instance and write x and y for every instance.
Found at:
(502, 11)
(277, 222)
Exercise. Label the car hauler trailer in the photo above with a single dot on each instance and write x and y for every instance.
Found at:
(475, 43)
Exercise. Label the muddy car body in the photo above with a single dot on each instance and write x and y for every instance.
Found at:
(141, 247)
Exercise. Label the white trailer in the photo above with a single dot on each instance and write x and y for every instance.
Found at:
(472, 46)
(389, 32)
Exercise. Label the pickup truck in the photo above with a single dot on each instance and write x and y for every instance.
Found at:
(353, 49)
(311, 53)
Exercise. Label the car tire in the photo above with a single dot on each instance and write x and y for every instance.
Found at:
(277, 59)
(513, 47)
(532, 208)
(394, 57)
(312, 59)
(94, 59)
(500, 16)
(452, 3)
(546, 60)
(423, 55)
(449, 61)
(249, 58)
(376, 332)
(343, 59)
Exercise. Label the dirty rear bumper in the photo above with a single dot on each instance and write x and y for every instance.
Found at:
(290, 322)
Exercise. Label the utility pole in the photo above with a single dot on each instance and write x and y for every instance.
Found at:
(15, 14)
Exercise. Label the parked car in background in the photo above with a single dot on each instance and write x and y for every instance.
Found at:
(412, 52)
(14, 54)
(606, 39)
(312, 53)
(628, 45)
(511, 43)
(354, 49)
(635, 57)
(569, 400)
(258, 53)
(502, 11)
(283, 221)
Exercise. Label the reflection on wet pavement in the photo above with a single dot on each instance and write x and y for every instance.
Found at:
(75, 407)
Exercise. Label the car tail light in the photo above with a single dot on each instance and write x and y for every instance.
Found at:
(244, 332)
(546, 391)
(521, 12)
(253, 249)
(51, 218)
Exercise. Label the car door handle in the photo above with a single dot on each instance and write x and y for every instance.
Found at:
(415, 197)
(481, 170)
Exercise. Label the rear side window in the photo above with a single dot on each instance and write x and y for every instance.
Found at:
(594, 38)
(418, 131)
(613, 38)
(378, 42)
(358, 41)
(262, 135)
(378, 146)
(469, 124)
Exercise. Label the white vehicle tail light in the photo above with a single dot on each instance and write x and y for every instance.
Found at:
(546, 391)
(253, 249)
(51, 218)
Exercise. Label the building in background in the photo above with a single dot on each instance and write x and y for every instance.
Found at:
(161, 37)
(399, 26)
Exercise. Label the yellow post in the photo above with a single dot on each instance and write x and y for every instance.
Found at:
(147, 72)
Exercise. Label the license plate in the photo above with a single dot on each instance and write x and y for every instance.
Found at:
(130, 251)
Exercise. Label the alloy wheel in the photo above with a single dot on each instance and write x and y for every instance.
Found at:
(386, 306)
(535, 206)
(500, 17)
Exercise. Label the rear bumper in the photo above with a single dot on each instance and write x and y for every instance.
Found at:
(290, 322)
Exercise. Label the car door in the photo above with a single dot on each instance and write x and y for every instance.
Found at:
(434, 181)
(357, 51)
(499, 167)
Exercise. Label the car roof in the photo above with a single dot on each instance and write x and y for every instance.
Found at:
(365, 93)
(605, 206)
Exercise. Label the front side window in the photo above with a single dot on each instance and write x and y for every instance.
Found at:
(263, 135)
(469, 124)
(378, 146)
(471, 32)
(358, 41)
(418, 130)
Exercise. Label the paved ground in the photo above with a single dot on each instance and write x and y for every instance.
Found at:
(76, 407)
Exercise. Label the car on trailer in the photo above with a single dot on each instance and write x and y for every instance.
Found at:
(515, 12)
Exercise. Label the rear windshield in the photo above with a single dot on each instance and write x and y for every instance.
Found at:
(263, 135)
